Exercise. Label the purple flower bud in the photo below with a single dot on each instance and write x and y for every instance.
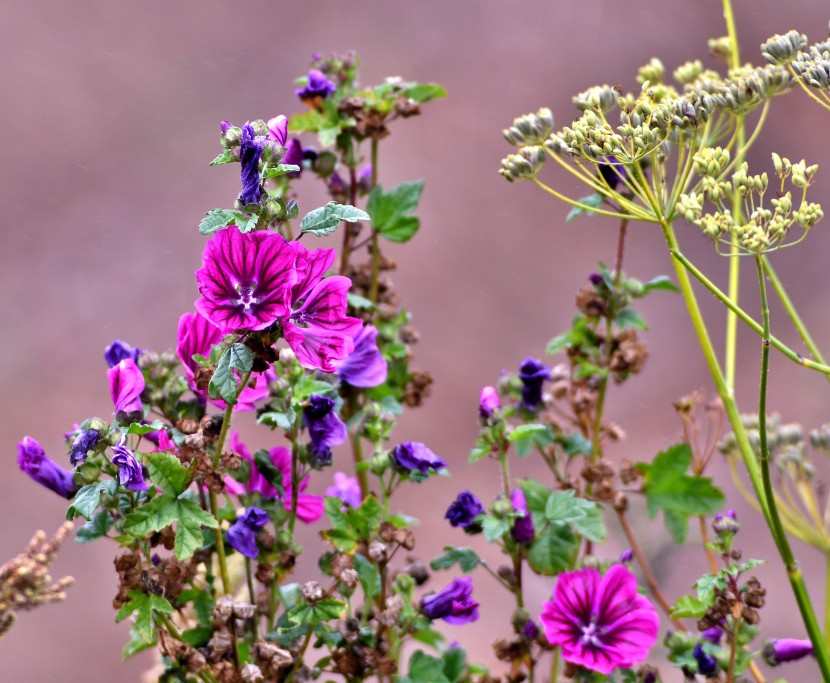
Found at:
(626, 556)
(364, 367)
(595, 279)
(488, 402)
(464, 509)
(32, 459)
(706, 663)
(118, 351)
(364, 179)
(726, 523)
(84, 442)
(345, 488)
(278, 129)
(713, 635)
(337, 186)
(411, 456)
(522, 530)
(242, 534)
(532, 373)
(294, 156)
(126, 385)
(454, 604)
(250, 151)
(130, 471)
(155, 558)
(224, 125)
(318, 86)
(324, 428)
(530, 630)
(786, 650)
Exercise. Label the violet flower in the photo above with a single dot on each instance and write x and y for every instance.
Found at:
(612, 172)
(600, 622)
(32, 459)
(530, 630)
(130, 471)
(786, 650)
(325, 428)
(83, 443)
(364, 367)
(196, 334)
(522, 530)
(713, 635)
(242, 534)
(120, 350)
(488, 402)
(532, 373)
(345, 488)
(454, 603)
(244, 279)
(250, 151)
(706, 663)
(464, 509)
(411, 456)
(294, 157)
(317, 328)
(627, 556)
(309, 508)
(224, 126)
(318, 86)
(126, 384)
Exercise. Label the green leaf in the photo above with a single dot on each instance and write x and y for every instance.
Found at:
(423, 92)
(592, 200)
(163, 511)
(574, 444)
(224, 384)
(536, 498)
(216, 219)
(424, 668)
(563, 507)
(455, 663)
(98, 526)
(525, 437)
(309, 121)
(325, 220)
(272, 474)
(136, 644)
(225, 157)
(369, 577)
(629, 318)
(688, 607)
(247, 223)
(551, 551)
(660, 282)
(143, 606)
(168, 473)
(389, 210)
(136, 428)
(281, 169)
(360, 303)
(494, 527)
(277, 420)
(327, 609)
(88, 498)
(592, 525)
(466, 558)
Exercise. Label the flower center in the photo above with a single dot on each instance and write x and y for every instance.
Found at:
(590, 634)
(246, 296)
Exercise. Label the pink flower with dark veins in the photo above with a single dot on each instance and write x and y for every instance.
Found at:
(600, 622)
(126, 384)
(245, 279)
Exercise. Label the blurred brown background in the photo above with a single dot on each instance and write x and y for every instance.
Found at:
(110, 113)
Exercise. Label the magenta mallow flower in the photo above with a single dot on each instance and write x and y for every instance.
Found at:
(318, 85)
(32, 459)
(244, 279)
(364, 367)
(345, 488)
(317, 328)
(120, 350)
(325, 428)
(786, 650)
(309, 508)
(464, 509)
(413, 456)
(278, 130)
(126, 384)
(197, 335)
(242, 534)
(600, 622)
(251, 147)
(454, 603)
(488, 402)
(83, 443)
(131, 473)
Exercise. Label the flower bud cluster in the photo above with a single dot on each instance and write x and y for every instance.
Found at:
(813, 66)
(689, 72)
(748, 88)
(599, 98)
(530, 129)
(781, 50)
(652, 72)
(524, 165)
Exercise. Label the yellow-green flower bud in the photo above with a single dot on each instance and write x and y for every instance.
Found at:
(721, 48)
(688, 72)
(652, 72)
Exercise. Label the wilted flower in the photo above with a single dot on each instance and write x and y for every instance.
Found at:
(345, 488)
(250, 151)
(318, 86)
(83, 443)
(522, 530)
(242, 534)
(454, 604)
(411, 456)
(130, 471)
(118, 351)
(464, 509)
(706, 663)
(532, 373)
(488, 402)
(32, 459)
(244, 279)
(325, 428)
(786, 650)
(600, 622)
(126, 385)
(364, 367)
(309, 508)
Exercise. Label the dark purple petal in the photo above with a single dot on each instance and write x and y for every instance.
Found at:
(532, 373)
(120, 350)
(242, 534)
(365, 366)
(83, 443)
(126, 384)
(454, 603)
(294, 156)
(713, 635)
(411, 455)
(706, 663)
(612, 171)
(522, 530)
(130, 471)
(244, 279)
(324, 428)
(464, 509)
(786, 650)
(32, 459)
(318, 86)
(250, 151)
(345, 488)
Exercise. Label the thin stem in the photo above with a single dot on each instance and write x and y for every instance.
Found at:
(804, 87)
(357, 448)
(252, 594)
(373, 286)
(733, 650)
(298, 662)
(590, 209)
(827, 598)
(295, 479)
(220, 545)
(820, 646)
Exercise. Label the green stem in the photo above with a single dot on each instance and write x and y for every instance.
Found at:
(827, 599)
(554, 666)
(295, 479)
(298, 662)
(252, 595)
(373, 287)
(820, 646)
(357, 448)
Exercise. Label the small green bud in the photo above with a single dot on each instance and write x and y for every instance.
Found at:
(721, 48)
(688, 72)
(652, 72)
(781, 50)
(379, 463)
